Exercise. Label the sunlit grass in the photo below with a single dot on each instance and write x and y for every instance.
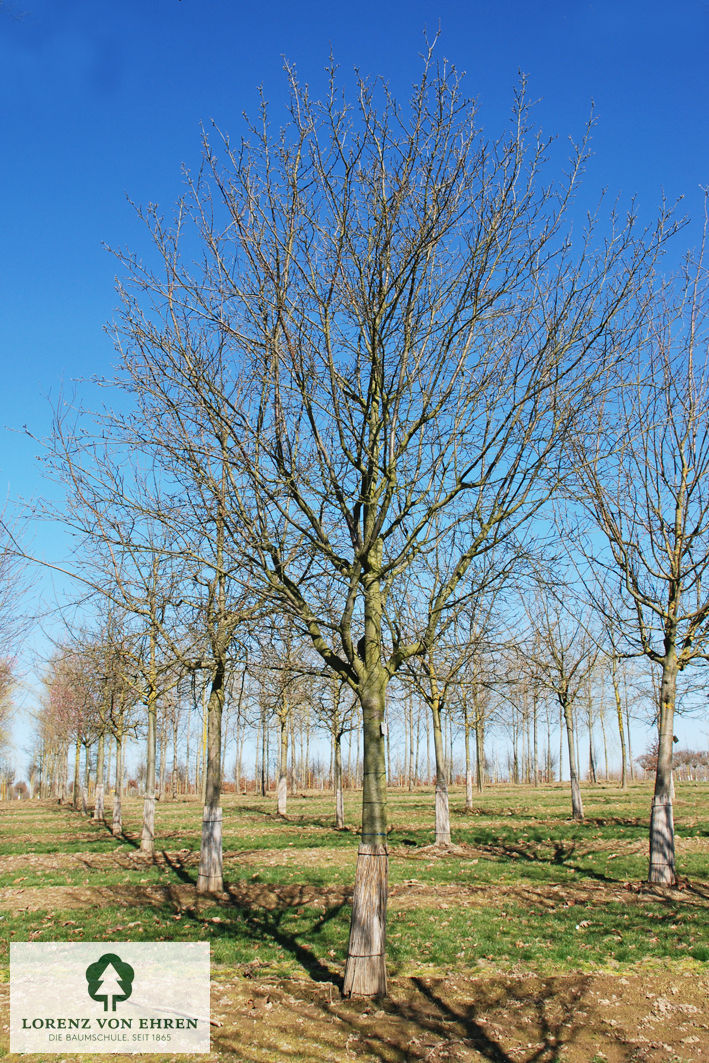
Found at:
(524, 885)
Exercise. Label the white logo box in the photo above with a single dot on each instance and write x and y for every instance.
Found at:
(98, 996)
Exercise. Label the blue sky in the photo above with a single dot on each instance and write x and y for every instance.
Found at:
(102, 101)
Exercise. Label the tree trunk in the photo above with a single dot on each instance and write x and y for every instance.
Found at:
(174, 779)
(239, 752)
(593, 775)
(264, 753)
(515, 747)
(87, 779)
(468, 765)
(77, 768)
(621, 727)
(451, 768)
(631, 769)
(480, 751)
(576, 802)
(662, 835)
(98, 803)
(210, 878)
(109, 763)
(147, 841)
(339, 797)
(295, 775)
(205, 740)
(412, 748)
(443, 820)
(365, 970)
(535, 727)
(282, 796)
(187, 753)
(163, 755)
(602, 721)
(417, 761)
(117, 819)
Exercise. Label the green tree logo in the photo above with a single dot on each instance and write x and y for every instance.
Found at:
(110, 980)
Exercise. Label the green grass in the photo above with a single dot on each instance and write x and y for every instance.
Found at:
(528, 887)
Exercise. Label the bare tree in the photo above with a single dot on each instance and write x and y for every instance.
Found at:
(644, 479)
(562, 654)
(394, 331)
(448, 676)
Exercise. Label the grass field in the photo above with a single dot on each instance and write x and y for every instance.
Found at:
(533, 938)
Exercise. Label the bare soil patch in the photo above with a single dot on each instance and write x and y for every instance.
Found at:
(410, 894)
(511, 1018)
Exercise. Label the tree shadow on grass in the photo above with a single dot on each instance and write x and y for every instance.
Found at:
(499, 1019)
(267, 925)
(561, 855)
(176, 865)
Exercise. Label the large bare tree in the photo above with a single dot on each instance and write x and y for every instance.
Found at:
(395, 330)
(644, 478)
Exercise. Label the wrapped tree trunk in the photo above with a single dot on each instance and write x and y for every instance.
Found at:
(468, 764)
(98, 804)
(147, 841)
(282, 792)
(87, 777)
(576, 802)
(662, 835)
(77, 765)
(117, 819)
(365, 970)
(210, 879)
(443, 819)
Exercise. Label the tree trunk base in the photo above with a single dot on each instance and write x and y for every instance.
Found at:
(365, 971)
(282, 794)
(98, 807)
(210, 878)
(662, 843)
(147, 841)
(339, 810)
(117, 819)
(443, 818)
(576, 801)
